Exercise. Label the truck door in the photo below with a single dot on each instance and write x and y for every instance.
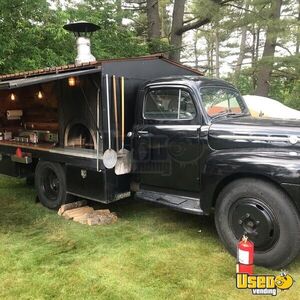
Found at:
(167, 146)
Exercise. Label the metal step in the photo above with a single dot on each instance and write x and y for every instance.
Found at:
(182, 203)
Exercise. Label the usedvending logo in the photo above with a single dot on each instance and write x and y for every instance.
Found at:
(264, 284)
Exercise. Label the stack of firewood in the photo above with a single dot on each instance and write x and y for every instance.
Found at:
(82, 213)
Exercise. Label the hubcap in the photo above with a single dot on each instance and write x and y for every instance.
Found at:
(50, 184)
(253, 218)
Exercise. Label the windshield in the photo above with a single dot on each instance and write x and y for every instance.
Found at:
(222, 101)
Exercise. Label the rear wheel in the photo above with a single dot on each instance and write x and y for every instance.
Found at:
(263, 212)
(50, 182)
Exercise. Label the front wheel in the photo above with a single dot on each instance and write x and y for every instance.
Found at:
(263, 212)
(50, 182)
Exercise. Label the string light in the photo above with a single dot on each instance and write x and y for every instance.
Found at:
(12, 97)
(40, 95)
(72, 81)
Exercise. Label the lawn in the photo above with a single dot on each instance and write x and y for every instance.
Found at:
(150, 253)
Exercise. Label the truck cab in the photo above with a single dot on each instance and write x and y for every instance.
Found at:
(171, 144)
(197, 149)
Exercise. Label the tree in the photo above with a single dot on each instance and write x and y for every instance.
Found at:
(32, 36)
(177, 25)
(112, 40)
(236, 36)
(242, 53)
(154, 32)
(208, 9)
(242, 48)
(150, 21)
(266, 63)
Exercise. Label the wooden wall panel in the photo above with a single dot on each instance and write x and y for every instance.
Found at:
(34, 110)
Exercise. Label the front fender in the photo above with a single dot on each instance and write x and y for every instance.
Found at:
(281, 167)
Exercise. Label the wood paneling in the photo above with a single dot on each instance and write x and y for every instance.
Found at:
(42, 113)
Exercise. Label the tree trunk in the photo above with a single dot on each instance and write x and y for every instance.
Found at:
(177, 24)
(255, 31)
(208, 56)
(212, 68)
(242, 53)
(196, 49)
(258, 30)
(217, 46)
(266, 64)
(153, 23)
(165, 20)
(298, 31)
(210, 53)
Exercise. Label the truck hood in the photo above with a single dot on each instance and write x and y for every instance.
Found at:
(248, 132)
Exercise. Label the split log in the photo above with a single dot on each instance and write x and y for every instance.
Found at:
(71, 205)
(83, 219)
(77, 212)
(93, 221)
(102, 212)
(87, 215)
(104, 219)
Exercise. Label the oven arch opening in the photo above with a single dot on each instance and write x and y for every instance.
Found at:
(77, 135)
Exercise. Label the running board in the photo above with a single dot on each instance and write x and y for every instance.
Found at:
(182, 203)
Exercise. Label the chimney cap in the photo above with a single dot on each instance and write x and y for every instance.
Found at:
(81, 26)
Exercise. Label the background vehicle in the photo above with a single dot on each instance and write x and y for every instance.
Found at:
(263, 107)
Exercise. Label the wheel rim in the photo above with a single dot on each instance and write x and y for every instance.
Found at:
(50, 184)
(252, 217)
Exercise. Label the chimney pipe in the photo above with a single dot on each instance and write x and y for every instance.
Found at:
(83, 32)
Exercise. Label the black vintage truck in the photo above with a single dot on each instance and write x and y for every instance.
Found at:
(197, 149)
(190, 144)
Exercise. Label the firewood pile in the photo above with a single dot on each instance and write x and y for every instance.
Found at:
(82, 213)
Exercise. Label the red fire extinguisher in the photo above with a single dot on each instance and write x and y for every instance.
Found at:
(19, 152)
(245, 256)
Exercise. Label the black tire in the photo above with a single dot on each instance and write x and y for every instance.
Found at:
(266, 214)
(50, 183)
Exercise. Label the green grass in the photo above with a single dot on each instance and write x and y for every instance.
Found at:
(150, 253)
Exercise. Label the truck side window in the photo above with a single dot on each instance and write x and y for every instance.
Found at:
(169, 104)
(217, 100)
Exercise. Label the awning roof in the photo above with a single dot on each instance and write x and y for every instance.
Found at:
(19, 83)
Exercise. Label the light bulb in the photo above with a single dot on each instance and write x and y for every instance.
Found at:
(72, 81)
(12, 97)
(40, 95)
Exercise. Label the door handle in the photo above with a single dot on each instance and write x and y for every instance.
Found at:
(142, 132)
